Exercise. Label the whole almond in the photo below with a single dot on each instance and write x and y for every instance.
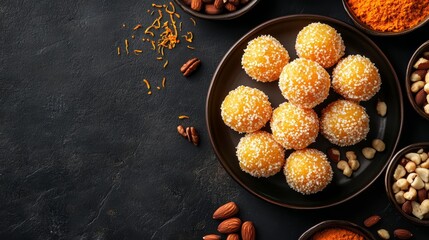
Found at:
(226, 211)
(407, 207)
(233, 236)
(212, 237)
(421, 98)
(196, 5)
(218, 4)
(211, 9)
(402, 233)
(230, 7)
(248, 231)
(230, 225)
(371, 221)
(235, 2)
(422, 194)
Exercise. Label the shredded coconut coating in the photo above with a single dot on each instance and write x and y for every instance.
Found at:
(264, 58)
(294, 127)
(246, 109)
(356, 78)
(344, 123)
(304, 83)
(260, 155)
(321, 43)
(308, 171)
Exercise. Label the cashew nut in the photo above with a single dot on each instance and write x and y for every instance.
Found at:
(378, 145)
(354, 164)
(425, 164)
(411, 194)
(399, 197)
(424, 206)
(410, 166)
(423, 173)
(415, 157)
(411, 177)
(417, 211)
(418, 183)
(395, 188)
(403, 184)
(343, 165)
(350, 155)
(399, 172)
(368, 152)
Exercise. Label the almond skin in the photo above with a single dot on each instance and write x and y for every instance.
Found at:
(230, 225)
(371, 221)
(402, 234)
(226, 211)
(248, 231)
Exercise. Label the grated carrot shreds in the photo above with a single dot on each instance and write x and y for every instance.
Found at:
(137, 51)
(153, 44)
(137, 27)
(126, 46)
(189, 37)
(193, 21)
(165, 64)
(163, 82)
(156, 5)
(190, 47)
(180, 26)
(119, 51)
(183, 117)
(158, 88)
(147, 83)
(159, 58)
(177, 15)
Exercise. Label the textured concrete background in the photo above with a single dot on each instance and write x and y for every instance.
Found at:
(86, 153)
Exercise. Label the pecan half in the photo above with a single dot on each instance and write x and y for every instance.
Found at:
(190, 66)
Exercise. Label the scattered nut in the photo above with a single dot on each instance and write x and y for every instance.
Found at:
(354, 164)
(399, 197)
(381, 108)
(343, 165)
(350, 155)
(215, 6)
(190, 66)
(411, 194)
(229, 225)
(371, 221)
(399, 172)
(368, 152)
(410, 167)
(248, 231)
(196, 5)
(378, 145)
(402, 234)
(418, 75)
(415, 157)
(189, 133)
(225, 211)
(212, 237)
(334, 155)
(423, 174)
(383, 233)
(181, 131)
(403, 184)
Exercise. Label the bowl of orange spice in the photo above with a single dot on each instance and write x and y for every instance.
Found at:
(336, 230)
(388, 17)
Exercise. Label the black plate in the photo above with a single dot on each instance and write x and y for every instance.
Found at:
(230, 75)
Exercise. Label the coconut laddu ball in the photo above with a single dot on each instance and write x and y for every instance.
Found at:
(344, 123)
(294, 127)
(356, 78)
(321, 43)
(246, 109)
(260, 155)
(304, 83)
(308, 171)
(264, 58)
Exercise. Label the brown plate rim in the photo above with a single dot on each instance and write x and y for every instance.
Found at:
(313, 18)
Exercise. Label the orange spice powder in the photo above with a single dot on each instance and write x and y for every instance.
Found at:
(390, 15)
(337, 234)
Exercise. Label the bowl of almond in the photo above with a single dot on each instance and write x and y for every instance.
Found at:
(216, 9)
(417, 80)
(407, 182)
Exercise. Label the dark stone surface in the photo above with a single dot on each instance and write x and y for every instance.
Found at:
(86, 153)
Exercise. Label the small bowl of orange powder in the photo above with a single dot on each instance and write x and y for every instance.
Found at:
(388, 17)
(336, 230)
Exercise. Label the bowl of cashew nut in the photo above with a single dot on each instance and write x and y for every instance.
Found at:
(407, 182)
